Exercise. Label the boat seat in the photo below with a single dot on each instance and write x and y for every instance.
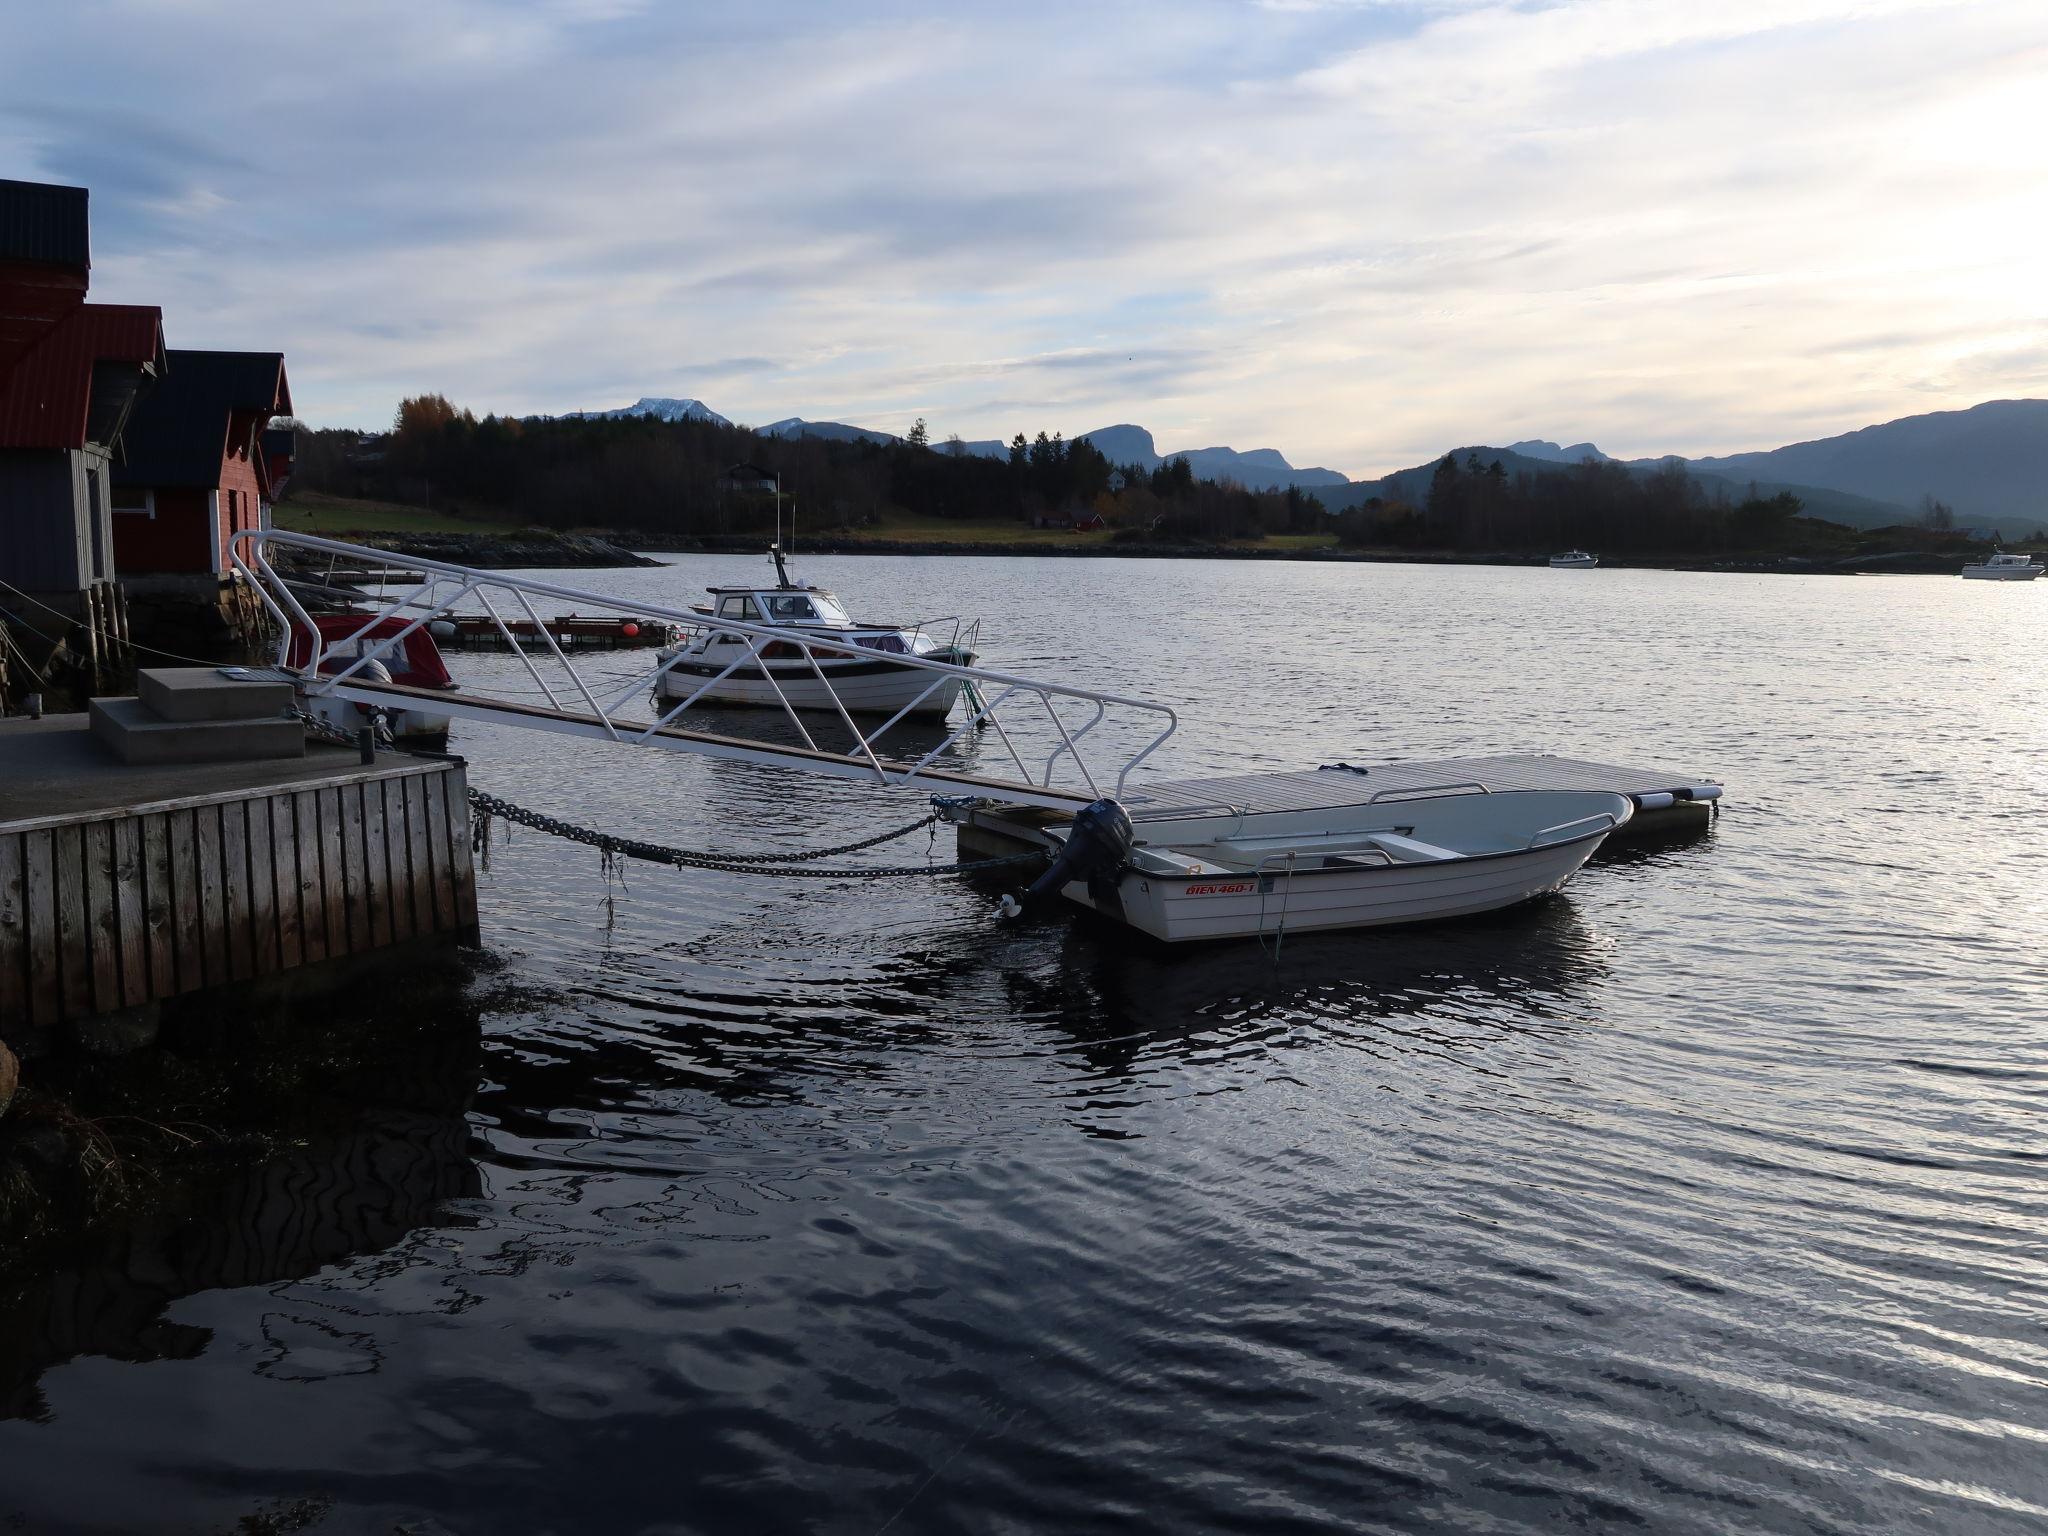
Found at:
(1411, 851)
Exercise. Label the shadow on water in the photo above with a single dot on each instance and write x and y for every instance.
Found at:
(1444, 984)
(305, 1154)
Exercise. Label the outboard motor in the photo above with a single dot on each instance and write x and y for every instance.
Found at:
(1096, 850)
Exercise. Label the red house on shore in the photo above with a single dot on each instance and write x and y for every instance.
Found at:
(71, 374)
(201, 465)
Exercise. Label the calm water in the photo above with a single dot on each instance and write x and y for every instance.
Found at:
(1709, 1196)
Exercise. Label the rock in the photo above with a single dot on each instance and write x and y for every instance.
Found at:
(10, 1078)
(118, 1034)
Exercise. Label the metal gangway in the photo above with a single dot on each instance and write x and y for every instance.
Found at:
(1053, 735)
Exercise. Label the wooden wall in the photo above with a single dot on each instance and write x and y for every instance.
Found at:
(108, 910)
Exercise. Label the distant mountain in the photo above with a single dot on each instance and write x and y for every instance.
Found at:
(1537, 448)
(836, 431)
(1257, 469)
(1989, 462)
(661, 406)
(1412, 486)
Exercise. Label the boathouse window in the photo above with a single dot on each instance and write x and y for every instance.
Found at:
(135, 498)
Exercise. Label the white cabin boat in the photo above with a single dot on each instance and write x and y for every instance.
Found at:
(2004, 567)
(716, 666)
(1237, 875)
(1574, 560)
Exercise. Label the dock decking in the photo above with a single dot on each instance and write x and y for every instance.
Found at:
(124, 885)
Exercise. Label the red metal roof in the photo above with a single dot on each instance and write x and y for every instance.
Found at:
(46, 396)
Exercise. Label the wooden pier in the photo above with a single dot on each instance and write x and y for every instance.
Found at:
(123, 885)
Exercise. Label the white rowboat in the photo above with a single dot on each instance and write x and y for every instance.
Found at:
(1385, 861)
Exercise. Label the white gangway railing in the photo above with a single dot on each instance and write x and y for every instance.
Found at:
(1024, 713)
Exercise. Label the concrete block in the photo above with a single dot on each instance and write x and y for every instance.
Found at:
(138, 735)
(201, 693)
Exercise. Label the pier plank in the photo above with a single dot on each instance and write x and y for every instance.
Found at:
(398, 858)
(213, 906)
(185, 916)
(354, 865)
(74, 942)
(159, 903)
(456, 784)
(376, 865)
(312, 906)
(13, 934)
(285, 854)
(262, 891)
(333, 878)
(421, 846)
(102, 918)
(39, 880)
(128, 888)
(234, 863)
(437, 839)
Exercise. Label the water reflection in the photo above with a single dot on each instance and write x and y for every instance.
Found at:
(382, 1146)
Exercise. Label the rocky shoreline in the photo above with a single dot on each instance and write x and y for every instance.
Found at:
(529, 549)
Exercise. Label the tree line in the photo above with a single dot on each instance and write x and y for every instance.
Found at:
(1600, 505)
(676, 477)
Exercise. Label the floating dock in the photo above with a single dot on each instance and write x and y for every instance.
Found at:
(1667, 803)
(123, 884)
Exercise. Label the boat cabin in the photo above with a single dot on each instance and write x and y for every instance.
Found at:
(812, 606)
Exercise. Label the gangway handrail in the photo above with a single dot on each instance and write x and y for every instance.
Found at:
(443, 586)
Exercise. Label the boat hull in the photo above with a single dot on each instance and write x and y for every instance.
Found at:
(1180, 909)
(2002, 573)
(859, 687)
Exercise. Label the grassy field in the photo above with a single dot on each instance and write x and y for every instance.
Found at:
(313, 512)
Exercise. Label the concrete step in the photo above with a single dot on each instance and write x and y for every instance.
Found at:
(136, 734)
(201, 693)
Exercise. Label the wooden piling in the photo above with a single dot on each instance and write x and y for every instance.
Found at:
(120, 907)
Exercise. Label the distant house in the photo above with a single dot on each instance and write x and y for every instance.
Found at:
(1116, 482)
(748, 479)
(70, 375)
(199, 463)
(1092, 523)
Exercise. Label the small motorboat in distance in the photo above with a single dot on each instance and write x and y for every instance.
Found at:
(719, 666)
(1999, 566)
(1574, 560)
(1453, 851)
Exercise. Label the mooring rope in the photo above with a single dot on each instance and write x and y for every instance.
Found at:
(483, 807)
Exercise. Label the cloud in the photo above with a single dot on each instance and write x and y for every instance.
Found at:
(1357, 231)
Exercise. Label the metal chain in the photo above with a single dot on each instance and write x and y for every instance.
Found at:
(483, 807)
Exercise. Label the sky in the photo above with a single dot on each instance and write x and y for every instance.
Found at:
(1355, 231)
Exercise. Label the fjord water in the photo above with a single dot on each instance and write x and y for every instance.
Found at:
(1710, 1195)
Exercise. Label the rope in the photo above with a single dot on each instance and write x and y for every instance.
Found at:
(483, 807)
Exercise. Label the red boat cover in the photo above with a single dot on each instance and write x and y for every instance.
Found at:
(415, 664)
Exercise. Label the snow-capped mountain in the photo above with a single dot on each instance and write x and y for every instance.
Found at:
(661, 406)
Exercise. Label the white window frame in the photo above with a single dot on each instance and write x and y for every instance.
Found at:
(147, 509)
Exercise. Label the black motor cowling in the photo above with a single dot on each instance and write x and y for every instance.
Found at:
(1097, 847)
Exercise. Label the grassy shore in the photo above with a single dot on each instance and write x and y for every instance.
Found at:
(337, 516)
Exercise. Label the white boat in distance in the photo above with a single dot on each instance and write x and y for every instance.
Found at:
(2003, 567)
(720, 667)
(1574, 560)
(1451, 852)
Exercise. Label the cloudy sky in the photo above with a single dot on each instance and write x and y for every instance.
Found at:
(1358, 232)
